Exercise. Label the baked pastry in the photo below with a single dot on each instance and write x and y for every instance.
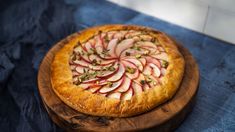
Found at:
(117, 70)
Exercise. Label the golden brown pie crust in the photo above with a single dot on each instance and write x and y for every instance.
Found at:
(93, 104)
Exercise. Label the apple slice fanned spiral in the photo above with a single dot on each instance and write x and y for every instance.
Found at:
(119, 64)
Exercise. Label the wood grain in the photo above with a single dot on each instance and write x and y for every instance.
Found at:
(165, 117)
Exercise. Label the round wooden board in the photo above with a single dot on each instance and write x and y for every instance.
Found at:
(165, 117)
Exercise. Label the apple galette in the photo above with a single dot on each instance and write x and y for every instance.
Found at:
(117, 70)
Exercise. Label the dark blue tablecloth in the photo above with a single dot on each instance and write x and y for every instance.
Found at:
(29, 28)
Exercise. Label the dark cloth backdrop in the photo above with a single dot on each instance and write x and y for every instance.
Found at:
(29, 28)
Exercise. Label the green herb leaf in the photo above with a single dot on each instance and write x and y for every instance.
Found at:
(109, 84)
(111, 68)
(148, 80)
(130, 70)
(142, 82)
(138, 56)
(94, 62)
(105, 52)
(164, 63)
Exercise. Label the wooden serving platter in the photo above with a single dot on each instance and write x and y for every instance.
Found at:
(165, 117)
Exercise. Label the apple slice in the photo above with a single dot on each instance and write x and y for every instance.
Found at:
(143, 61)
(99, 44)
(111, 47)
(136, 38)
(156, 70)
(105, 44)
(129, 64)
(147, 70)
(128, 94)
(125, 85)
(80, 69)
(88, 85)
(115, 95)
(78, 49)
(81, 63)
(115, 85)
(153, 60)
(84, 86)
(136, 62)
(127, 53)
(99, 50)
(82, 56)
(72, 66)
(111, 34)
(102, 82)
(85, 58)
(101, 61)
(161, 56)
(75, 74)
(119, 74)
(150, 50)
(106, 74)
(163, 71)
(118, 35)
(145, 37)
(88, 46)
(92, 80)
(107, 62)
(136, 88)
(94, 90)
(147, 44)
(125, 44)
(99, 67)
(160, 48)
(140, 78)
(95, 57)
(131, 34)
(92, 41)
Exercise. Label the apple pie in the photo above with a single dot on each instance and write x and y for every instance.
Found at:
(117, 70)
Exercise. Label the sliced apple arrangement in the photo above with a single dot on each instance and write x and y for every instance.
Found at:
(119, 64)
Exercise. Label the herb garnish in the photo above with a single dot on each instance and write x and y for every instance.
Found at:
(77, 82)
(146, 52)
(148, 80)
(110, 68)
(130, 70)
(138, 56)
(93, 51)
(94, 62)
(87, 75)
(106, 39)
(105, 52)
(110, 84)
(142, 82)
(73, 58)
(164, 63)
(135, 47)
(128, 53)
(82, 53)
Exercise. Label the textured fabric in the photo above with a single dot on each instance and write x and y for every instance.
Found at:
(29, 28)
